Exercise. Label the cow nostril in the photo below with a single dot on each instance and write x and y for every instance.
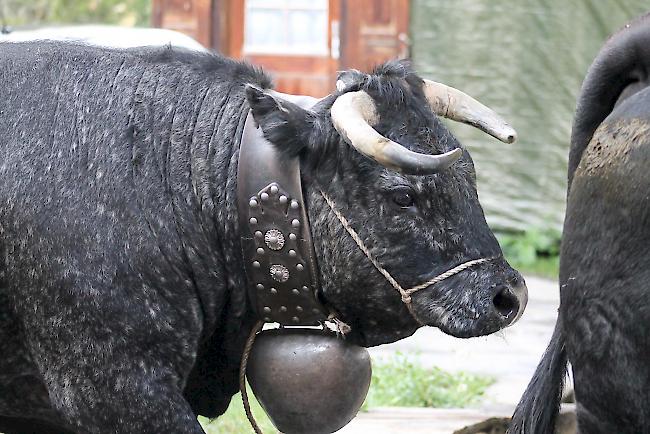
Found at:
(505, 302)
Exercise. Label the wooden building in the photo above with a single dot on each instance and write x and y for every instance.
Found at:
(302, 43)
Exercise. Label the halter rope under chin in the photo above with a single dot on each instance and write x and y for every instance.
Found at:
(405, 293)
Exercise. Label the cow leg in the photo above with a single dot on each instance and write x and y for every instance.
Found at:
(25, 405)
(108, 369)
(609, 359)
(612, 401)
(24, 401)
(108, 386)
(16, 425)
(120, 403)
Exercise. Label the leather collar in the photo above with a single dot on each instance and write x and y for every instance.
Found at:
(279, 257)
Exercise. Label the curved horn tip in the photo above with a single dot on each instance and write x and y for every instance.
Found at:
(446, 160)
(508, 135)
(454, 155)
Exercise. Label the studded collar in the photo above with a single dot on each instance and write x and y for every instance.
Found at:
(279, 258)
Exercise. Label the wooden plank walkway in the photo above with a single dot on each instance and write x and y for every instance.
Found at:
(402, 420)
(395, 420)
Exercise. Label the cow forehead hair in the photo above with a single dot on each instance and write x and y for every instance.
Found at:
(391, 82)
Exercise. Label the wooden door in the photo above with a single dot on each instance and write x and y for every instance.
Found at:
(373, 32)
(295, 40)
(356, 34)
(302, 43)
(192, 17)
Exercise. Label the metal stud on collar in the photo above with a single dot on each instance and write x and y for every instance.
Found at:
(279, 273)
(278, 253)
(274, 239)
(278, 259)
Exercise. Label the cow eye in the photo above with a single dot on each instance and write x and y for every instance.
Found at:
(404, 197)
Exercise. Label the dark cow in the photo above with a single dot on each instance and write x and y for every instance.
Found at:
(122, 292)
(602, 328)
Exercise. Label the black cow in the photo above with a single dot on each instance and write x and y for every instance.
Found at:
(122, 290)
(602, 328)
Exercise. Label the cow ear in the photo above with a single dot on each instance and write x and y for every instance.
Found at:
(284, 124)
(347, 80)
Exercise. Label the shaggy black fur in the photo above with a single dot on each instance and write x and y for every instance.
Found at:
(605, 258)
(122, 301)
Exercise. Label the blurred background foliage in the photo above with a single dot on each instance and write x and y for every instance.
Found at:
(526, 59)
(33, 13)
(533, 251)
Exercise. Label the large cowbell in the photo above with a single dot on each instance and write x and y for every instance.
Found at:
(307, 381)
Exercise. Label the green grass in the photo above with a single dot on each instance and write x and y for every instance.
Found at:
(542, 267)
(399, 381)
(234, 419)
(402, 381)
(535, 251)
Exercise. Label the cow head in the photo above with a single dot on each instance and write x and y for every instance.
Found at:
(408, 188)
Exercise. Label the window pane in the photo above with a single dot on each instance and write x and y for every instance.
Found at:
(307, 4)
(308, 30)
(265, 4)
(264, 28)
(286, 26)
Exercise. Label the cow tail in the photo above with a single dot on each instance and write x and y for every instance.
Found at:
(621, 68)
(539, 406)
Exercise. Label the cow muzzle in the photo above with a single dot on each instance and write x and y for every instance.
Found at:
(510, 301)
(482, 302)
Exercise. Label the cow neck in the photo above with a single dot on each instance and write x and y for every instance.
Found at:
(279, 258)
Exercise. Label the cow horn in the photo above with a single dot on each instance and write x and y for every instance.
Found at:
(353, 113)
(458, 106)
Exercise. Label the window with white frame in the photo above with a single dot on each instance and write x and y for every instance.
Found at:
(286, 27)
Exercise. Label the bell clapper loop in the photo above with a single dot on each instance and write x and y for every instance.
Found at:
(242, 375)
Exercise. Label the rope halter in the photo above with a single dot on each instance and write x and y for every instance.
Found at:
(405, 293)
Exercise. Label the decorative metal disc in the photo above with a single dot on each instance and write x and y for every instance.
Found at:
(279, 273)
(274, 239)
